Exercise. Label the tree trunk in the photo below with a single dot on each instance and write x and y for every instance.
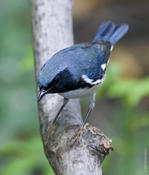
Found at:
(67, 152)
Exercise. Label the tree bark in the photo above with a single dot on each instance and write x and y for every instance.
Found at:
(69, 149)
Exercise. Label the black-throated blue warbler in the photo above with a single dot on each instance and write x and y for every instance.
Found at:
(80, 70)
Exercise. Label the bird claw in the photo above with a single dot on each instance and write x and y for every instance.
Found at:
(77, 137)
(51, 130)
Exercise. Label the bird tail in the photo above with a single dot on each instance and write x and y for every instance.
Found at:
(111, 32)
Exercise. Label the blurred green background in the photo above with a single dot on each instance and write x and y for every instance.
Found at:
(122, 108)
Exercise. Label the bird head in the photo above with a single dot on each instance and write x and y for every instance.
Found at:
(49, 87)
(56, 76)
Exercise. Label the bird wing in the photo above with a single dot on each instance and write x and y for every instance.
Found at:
(91, 61)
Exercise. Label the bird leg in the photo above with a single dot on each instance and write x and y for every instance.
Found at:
(91, 106)
(82, 129)
(51, 130)
(57, 116)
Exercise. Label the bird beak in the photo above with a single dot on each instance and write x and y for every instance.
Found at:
(42, 93)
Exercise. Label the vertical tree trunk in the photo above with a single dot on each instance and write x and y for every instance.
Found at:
(52, 31)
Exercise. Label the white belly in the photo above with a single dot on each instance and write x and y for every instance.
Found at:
(80, 92)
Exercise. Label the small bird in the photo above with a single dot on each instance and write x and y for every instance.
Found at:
(80, 70)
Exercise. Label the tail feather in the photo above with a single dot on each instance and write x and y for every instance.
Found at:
(111, 32)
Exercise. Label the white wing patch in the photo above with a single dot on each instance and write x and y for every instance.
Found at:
(111, 48)
(92, 82)
(87, 80)
(103, 66)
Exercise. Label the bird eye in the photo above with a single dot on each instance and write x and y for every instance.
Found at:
(56, 80)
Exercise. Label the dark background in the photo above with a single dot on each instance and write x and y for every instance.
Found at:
(122, 105)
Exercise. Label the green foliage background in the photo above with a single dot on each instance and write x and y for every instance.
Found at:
(21, 150)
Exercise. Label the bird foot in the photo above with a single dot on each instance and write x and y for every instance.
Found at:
(50, 132)
(52, 128)
(77, 137)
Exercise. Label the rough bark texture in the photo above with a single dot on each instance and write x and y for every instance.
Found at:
(68, 153)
